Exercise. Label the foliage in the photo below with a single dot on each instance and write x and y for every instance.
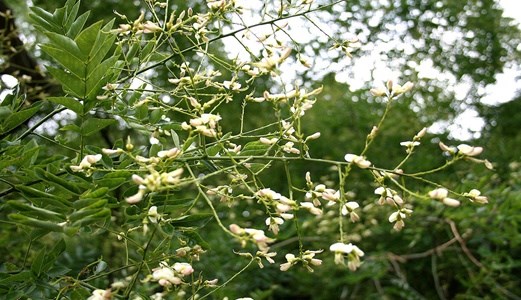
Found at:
(182, 173)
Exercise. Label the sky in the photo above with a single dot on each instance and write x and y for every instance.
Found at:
(465, 126)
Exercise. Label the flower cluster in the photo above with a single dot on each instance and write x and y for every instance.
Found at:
(167, 275)
(462, 149)
(283, 207)
(398, 216)
(206, 124)
(442, 194)
(475, 196)
(153, 182)
(320, 191)
(86, 164)
(307, 259)
(99, 294)
(352, 252)
(360, 161)
(255, 235)
(392, 89)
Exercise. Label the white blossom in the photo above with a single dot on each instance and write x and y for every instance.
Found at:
(360, 161)
(469, 150)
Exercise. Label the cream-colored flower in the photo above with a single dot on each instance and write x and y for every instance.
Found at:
(150, 27)
(153, 215)
(352, 252)
(360, 161)
(469, 150)
(291, 260)
(170, 153)
(138, 196)
(164, 275)
(86, 162)
(475, 195)
(439, 193)
(450, 202)
(183, 269)
(100, 295)
(311, 208)
(267, 141)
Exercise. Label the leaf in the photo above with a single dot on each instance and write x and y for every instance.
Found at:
(71, 83)
(58, 271)
(71, 127)
(96, 193)
(40, 213)
(99, 78)
(195, 239)
(72, 9)
(32, 192)
(66, 44)
(14, 120)
(175, 138)
(67, 60)
(56, 180)
(254, 148)
(87, 38)
(24, 276)
(94, 125)
(101, 215)
(195, 220)
(43, 18)
(24, 220)
(68, 102)
(78, 24)
(103, 44)
(57, 250)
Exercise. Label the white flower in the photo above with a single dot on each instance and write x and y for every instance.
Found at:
(314, 136)
(352, 252)
(153, 215)
(183, 268)
(311, 208)
(360, 161)
(475, 195)
(420, 134)
(469, 150)
(446, 148)
(409, 144)
(273, 223)
(288, 147)
(268, 194)
(349, 208)
(100, 295)
(231, 85)
(397, 215)
(111, 151)
(451, 202)
(86, 162)
(291, 261)
(377, 92)
(400, 89)
(171, 153)
(138, 196)
(150, 27)
(267, 141)
(439, 193)
(165, 276)
(329, 194)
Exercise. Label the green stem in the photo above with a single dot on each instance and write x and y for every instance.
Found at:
(143, 261)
